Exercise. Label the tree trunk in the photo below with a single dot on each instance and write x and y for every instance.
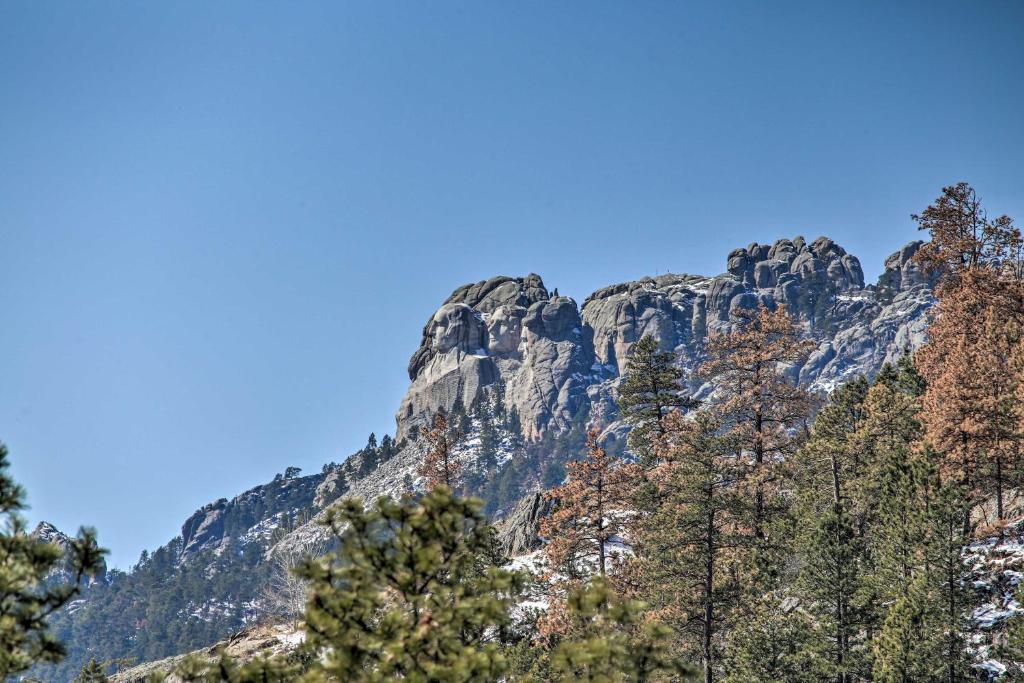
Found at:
(601, 511)
(758, 463)
(999, 487)
(951, 655)
(709, 605)
(841, 638)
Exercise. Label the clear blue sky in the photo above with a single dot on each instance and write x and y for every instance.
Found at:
(223, 224)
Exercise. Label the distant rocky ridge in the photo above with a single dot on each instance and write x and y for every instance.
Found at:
(48, 533)
(251, 516)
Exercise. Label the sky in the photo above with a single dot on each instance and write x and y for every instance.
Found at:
(223, 225)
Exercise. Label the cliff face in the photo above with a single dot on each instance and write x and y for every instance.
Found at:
(250, 517)
(553, 359)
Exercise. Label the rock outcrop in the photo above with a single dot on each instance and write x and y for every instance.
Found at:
(502, 330)
(518, 532)
(558, 366)
(249, 516)
(264, 640)
(48, 533)
(552, 359)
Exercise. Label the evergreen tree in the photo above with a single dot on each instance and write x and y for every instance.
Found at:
(765, 411)
(488, 452)
(689, 547)
(92, 673)
(514, 425)
(776, 642)
(404, 596)
(948, 577)
(387, 448)
(652, 388)
(609, 640)
(971, 407)
(833, 516)
(900, 481)
(832, 576)
(963, 237)
(902, 654)
(27, 598)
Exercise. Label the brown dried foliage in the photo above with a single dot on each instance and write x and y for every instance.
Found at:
(973, 360)
(439, 464)
(591, 508)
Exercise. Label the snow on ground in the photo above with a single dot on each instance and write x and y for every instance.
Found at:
(996, 567)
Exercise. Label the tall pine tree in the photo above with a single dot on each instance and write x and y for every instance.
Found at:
(591, 508)
(764, 410)
(689, 546)
(440, 466)
(971, 407)
(651, 389)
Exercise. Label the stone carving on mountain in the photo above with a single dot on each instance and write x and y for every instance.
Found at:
(553, 360)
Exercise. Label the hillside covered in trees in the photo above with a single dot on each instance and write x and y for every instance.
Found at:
(770, 475)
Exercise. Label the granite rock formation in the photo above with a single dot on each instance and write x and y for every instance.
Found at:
(553, 359)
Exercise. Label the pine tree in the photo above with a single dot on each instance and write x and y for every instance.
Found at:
(92, 673)
(689, 547)
(487, 454)
(917, 574)
(971, 411)
(948, 575)
(590, 510)
(652, 388)
(387, 448)
(899, 482)
(962, 236)
(608, 639)
(833, 517)
(902, 649)
(440, 467)
(513, 424)
(763, 409)
(27, 598)
(405, 596)
(776, 641)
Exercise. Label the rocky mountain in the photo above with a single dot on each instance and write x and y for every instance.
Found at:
(262, 640)
(553, 359)
(48, 533)
(558, 365)
(524, 371)
(253, 516)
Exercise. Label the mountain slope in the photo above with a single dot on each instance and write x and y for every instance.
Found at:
(524, 371)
